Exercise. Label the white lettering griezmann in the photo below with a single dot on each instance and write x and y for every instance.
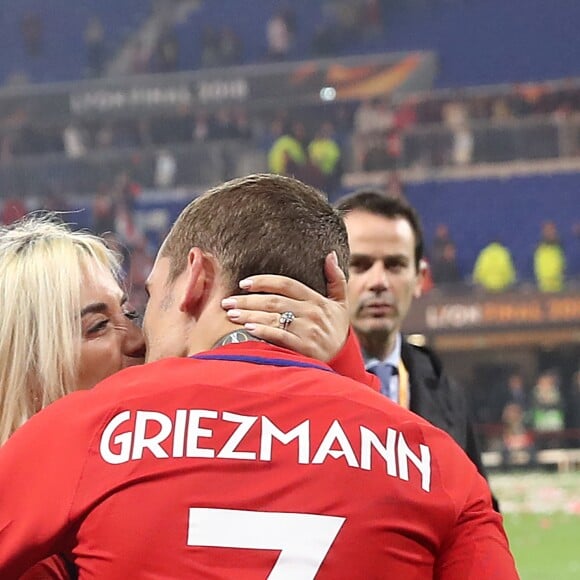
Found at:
(128, 436)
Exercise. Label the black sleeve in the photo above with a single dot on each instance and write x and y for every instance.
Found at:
(471, 441)
(449, 409)
(473, 452)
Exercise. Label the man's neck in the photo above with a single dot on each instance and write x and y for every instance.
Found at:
(212, 328)
(378, 345)
(236, 337)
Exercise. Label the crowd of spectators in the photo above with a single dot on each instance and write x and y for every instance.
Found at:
(340, 24)
(494, 270)
(321, 164)
(20, 137)
(344, 22)
(220, 47)
(97, 45)
(314, 158)
(454, 128)
(523, 414)
(382, 134)
(501, 103)
(112, 211)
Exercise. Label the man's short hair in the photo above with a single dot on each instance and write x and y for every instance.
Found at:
(261, 224)
(388, 206)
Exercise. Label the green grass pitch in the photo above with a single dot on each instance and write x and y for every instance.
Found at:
(542, 521)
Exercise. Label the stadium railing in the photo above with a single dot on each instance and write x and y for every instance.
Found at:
(565, 460)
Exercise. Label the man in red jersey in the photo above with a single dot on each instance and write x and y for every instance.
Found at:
(227, 457)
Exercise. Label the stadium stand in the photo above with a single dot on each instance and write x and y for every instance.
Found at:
(478, 42)
(513, 209)
(60, 25)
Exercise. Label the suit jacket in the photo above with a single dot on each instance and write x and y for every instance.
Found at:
(441, 401)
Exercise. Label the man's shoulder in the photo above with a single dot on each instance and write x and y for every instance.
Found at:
(379, 409)
(123, 385)
(421, 359)
(426, 369)
(415, 349)
(149, 373)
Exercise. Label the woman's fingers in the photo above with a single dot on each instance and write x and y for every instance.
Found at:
(273, 284)
(300, 336)
(260, 303)
(278, 337)
(254, 317)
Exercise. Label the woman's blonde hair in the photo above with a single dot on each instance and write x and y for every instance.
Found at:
(42, 263)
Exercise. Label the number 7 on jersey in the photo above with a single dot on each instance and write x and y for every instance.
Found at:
(304, 539)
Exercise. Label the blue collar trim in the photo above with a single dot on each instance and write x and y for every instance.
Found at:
(259, 360)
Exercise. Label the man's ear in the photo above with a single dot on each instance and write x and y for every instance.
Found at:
(423, 271)
(198, 276)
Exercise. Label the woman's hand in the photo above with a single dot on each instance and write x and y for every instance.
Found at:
(320, 326)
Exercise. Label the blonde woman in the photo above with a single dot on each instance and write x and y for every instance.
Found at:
(66, 324)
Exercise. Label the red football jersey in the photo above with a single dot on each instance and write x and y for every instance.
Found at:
(246, 462)
(53, 568)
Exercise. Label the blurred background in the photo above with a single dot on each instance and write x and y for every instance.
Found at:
(120, 111)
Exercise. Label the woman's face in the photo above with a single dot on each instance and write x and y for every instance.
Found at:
(111, 340)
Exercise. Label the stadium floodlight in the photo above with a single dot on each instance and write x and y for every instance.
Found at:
(327, 93)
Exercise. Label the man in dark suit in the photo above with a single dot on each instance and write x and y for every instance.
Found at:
(386, 273)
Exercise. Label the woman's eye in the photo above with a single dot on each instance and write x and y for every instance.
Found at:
(97, 327)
